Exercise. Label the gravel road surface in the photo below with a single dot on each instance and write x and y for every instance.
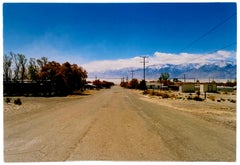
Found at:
(113, 124)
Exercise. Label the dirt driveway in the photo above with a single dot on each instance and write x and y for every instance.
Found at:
(113, 124)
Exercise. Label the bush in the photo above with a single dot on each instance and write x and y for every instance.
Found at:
(222, 99)
(165, 96)
(189, 97)
(233, 101)
(152, 93)
(7, 100)
(142, 85)
(18, 101)
(197, 98)
(133, 84)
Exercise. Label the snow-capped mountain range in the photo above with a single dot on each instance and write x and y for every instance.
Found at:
(214, 70)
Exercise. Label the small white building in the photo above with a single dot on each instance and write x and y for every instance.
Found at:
(155, 85)
(193, 87)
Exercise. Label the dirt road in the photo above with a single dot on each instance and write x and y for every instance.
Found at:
(113, 125)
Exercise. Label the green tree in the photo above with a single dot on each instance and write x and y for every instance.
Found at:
(164, 76)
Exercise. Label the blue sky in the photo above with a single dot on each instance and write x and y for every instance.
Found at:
(81, 32)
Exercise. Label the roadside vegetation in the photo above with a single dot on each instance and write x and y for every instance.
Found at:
(169, 89)
(134, 84)
(40, 77)
(102, 84)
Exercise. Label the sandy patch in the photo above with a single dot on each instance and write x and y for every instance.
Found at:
(33, 104)
(220, 110)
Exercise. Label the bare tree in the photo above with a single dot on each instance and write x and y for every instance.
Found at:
(7, 62)
(42, 62)
(33, 69)
(16, 67)
(22, 62)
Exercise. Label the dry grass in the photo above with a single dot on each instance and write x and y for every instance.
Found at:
(219, 108)
(211, 97)
(161, 94)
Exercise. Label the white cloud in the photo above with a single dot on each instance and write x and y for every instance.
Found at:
(160, 58)
(167, 58)
(99, 66)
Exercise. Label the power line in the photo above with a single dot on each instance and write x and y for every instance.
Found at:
(229, 45)
(91, 77)
(190, 44)
(208, 32)
(224, 47)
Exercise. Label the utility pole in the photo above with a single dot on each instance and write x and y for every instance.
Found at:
(132, 73)
(144, 61)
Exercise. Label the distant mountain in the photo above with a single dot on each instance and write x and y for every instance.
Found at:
(220, 70)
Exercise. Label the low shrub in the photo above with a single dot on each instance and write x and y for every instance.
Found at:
(18, 101)
(7, 100)
(158, 94)
(161, 94)
(152, 93)
(165, 96)
(233, 101)
(189, 98)
(197, 98)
